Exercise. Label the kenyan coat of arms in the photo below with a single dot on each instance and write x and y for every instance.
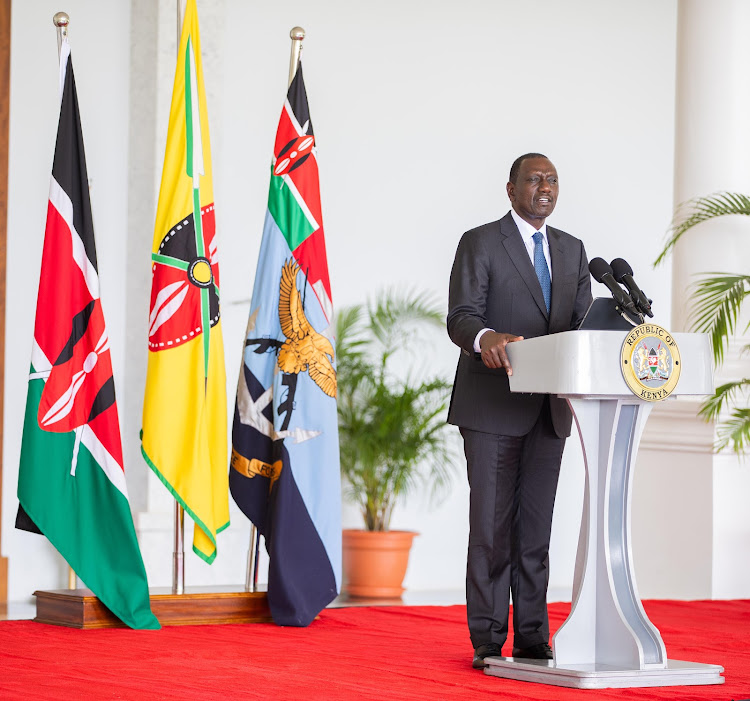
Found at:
(650, 362)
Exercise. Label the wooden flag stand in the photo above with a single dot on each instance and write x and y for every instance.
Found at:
(175, 606)
(79, 608)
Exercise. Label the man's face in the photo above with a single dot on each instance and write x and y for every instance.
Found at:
(534, 194)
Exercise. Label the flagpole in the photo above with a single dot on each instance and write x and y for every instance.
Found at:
(61, 20)
(178, 556)
(251, 576)
(181, 4)
(297, 35)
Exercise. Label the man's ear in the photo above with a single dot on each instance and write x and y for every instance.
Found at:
(510, 188)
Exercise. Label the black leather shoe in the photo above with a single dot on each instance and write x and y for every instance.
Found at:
(540, 651)
(487, 650)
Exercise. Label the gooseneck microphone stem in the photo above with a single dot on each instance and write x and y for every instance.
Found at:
(624, 273)
(602, 272)
(620, 296)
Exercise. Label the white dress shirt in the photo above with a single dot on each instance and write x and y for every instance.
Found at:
(527, 232)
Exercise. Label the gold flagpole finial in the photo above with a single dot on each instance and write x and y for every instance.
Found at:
(297, 34)
(61, 20)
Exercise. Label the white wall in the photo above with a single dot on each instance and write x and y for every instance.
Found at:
(419, 109)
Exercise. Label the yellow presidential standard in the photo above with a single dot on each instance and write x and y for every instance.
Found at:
(184, 437)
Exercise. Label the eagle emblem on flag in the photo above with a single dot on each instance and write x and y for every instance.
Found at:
(304, 348)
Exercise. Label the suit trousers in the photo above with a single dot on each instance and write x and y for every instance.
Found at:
(513, 481)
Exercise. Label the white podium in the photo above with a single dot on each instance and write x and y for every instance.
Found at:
(607, 640)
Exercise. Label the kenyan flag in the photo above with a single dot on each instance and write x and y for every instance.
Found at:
(71, 483)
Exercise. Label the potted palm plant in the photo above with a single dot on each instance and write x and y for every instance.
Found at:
(719, 298)
(392, 432)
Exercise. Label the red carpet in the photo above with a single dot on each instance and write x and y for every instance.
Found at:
(355, 653)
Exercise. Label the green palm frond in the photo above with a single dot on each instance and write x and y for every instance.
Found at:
(734, 433)
(700, 209)
(719, 298)
(725, 394)
(394, 314)
(718, 303)
(392, 433)
(348, 321)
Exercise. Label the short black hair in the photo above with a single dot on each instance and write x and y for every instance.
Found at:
(517, 165)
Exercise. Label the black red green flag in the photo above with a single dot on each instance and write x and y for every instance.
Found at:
(71, 482)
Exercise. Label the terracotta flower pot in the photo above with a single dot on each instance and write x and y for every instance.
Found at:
(375, 563)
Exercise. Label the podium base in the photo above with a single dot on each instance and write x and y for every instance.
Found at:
(79, 608)
(601, 676)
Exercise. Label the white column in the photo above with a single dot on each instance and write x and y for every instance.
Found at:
(712, 137)
(691, 535)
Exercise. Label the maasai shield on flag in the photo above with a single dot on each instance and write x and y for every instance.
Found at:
(285, 453)
(184, 437)
(71, 483)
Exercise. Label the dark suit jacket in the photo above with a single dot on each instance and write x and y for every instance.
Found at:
(493, 285)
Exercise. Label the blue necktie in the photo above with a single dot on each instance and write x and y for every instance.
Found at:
(542, 271)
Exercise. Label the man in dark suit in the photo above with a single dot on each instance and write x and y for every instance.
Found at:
(512, 279)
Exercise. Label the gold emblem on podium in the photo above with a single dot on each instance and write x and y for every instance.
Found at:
(650, 362)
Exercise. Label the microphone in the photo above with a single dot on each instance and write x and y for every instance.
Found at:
(602, 272)
(624, 273)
